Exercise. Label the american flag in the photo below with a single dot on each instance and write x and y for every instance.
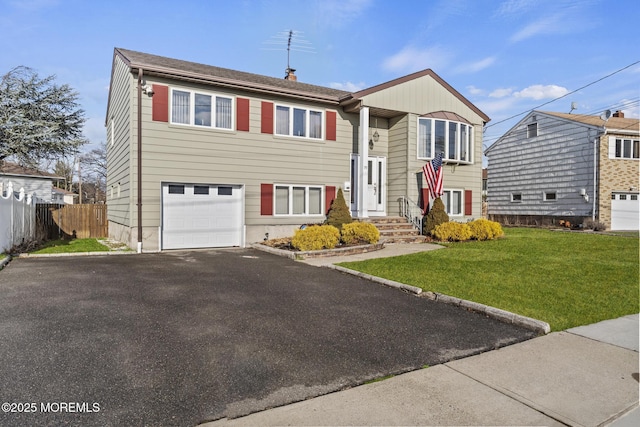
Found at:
(433, 174)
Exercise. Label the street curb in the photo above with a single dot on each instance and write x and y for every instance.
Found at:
(412, 289)
(5, 261)
(505, 316)
(535, 325)
(66, 254)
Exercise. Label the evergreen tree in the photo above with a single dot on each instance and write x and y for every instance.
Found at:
(339, 212)
(434, 217)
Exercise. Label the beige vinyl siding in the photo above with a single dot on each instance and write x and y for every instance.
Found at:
(398, 177)
(177, 153)
(119, 153)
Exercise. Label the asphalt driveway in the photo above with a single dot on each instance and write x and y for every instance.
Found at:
(186, 337)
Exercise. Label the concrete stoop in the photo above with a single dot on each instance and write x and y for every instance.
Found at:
(396, 229)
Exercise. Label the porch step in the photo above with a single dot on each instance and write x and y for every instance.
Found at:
(396, 229)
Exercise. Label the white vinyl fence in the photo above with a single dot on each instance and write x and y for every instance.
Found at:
(17, 217)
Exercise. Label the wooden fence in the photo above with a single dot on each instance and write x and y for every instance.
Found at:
(78, 221)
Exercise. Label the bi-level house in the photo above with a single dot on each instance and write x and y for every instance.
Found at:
(571, 167)
(202, 156)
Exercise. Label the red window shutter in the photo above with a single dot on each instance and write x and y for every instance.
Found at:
(331, 125)
(425, 199)
(267, 117)
(266, 199)
(160, 103)
(468, 202)
(329, 196)
(242, 114)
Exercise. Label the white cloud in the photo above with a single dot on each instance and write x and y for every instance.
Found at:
(340, 12)
(475, 91)
(411, 59)
(501, 92)
(348, 86)
(476, 66)
(549, 25)
(541, 92)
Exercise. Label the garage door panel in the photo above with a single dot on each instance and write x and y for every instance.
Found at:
(625, 211)
(202, 216)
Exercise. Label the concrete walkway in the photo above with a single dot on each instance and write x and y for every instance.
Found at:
(585, 376)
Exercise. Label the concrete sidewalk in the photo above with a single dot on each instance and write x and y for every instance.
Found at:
(585, 376)
(564, 378)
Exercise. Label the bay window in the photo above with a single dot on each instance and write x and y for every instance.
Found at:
(201, 109)
(451, 138)
(300, 122)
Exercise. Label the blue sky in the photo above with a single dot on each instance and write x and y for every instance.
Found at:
(507, 57)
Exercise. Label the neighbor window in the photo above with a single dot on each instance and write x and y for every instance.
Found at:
(627, 149)
(549, 196)
(298, 200)
(516, 197)
(532, 130)
(452, 200)
(201, 109)
(301, 122)
(452, 139)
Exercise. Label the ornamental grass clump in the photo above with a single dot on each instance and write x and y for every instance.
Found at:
(359, 233)
(452, 232)
(315, 238)
(483, 229)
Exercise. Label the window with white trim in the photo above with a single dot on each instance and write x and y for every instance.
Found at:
(532, 130)
(201, 109)
(453, 139)
(516, 197)
(291, 199)
(626, 148)
(296, 121)
(549, 196)
(452, 200)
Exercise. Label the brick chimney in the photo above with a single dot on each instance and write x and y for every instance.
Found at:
(291, 75)
(619, 114)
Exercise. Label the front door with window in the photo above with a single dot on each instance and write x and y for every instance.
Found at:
(375, 186)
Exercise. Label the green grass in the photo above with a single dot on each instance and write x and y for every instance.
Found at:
(565, 279)
(68, 246)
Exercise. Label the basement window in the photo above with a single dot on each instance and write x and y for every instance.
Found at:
(549, 196)
(516, 197)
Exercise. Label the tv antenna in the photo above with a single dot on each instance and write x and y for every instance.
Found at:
(293, 40)
(574, 106)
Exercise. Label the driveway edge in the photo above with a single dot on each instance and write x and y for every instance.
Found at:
(5, 261)
(535, 325)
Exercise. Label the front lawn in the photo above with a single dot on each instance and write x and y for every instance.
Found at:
(566, 279)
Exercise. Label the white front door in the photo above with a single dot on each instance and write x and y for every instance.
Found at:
(375, 186)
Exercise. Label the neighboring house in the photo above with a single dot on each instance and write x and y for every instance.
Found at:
(229, 158)
(37, 183)
(63, 196)
(570, 167)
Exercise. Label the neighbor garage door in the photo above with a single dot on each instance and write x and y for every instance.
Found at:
(625, 211)
(201, 216)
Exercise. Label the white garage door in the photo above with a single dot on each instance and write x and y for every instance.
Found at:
(625, 211)
(201, 216)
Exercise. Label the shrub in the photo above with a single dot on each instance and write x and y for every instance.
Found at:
(435, 217)
(483, 229)
(452, 232)
(316, 238)
(339, 212)
(360, 232)
(590, 224)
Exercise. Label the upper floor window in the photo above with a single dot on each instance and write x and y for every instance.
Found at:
(532, 130)
(201, 109)
(627, 148)
(301, 122)
(453, 139)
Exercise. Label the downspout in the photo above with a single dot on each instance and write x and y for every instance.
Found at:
(595, 183)
(139, 160)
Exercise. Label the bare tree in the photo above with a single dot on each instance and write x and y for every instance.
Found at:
(39, 119)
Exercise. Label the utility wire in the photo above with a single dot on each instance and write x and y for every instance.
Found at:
(565, 95)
